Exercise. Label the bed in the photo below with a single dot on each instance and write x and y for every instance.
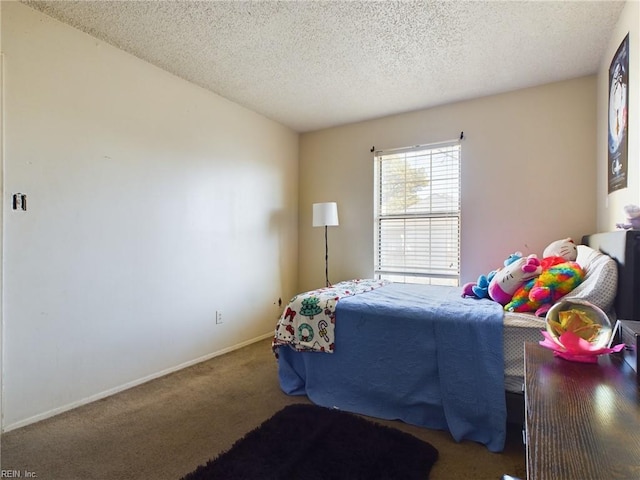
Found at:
(426, 355)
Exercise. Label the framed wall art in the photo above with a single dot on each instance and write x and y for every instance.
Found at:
(618, 117)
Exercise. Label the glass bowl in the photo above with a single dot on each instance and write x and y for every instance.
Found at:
(583, 318)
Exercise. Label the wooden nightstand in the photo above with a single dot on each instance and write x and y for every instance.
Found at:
(582, 420)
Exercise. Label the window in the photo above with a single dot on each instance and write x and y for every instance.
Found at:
(417, 214)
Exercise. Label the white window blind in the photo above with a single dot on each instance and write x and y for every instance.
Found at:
(417, 214)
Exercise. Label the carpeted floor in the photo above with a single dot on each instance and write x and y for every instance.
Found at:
(167, 427)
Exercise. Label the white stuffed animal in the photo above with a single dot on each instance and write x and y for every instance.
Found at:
(633, 218)
(565, 248)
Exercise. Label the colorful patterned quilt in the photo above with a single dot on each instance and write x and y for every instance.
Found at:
(307, 323)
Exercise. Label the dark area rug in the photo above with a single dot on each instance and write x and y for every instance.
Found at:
(310, 442)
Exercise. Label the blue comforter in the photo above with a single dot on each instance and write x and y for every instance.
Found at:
(421, 354)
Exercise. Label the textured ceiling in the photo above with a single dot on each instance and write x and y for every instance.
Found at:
(316, 64)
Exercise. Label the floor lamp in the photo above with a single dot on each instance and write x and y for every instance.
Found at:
(325, 215)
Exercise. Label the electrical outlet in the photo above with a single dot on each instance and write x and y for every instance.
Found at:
(218, 317)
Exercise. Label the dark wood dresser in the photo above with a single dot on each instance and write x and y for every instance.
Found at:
(582, 421)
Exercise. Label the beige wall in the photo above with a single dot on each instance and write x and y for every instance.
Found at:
(611, 206)
(152, 203)
(528, 177)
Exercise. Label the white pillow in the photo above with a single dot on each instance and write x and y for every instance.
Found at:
(600, 283)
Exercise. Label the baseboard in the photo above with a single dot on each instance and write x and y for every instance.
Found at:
(126, 386)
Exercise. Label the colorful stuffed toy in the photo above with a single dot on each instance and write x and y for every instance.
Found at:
(552, 282)
(511, 286)
(480, 289)
(507, 280)
(539, 294)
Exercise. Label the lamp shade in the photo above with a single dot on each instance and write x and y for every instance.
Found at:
(325, 214)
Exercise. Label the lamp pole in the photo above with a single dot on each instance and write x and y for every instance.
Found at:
(326, 257)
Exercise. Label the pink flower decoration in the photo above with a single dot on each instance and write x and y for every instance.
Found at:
(572, 347)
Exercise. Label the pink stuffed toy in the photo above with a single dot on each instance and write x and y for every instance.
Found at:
(508, 279)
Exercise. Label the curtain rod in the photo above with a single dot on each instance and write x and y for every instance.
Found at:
(426, 145)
